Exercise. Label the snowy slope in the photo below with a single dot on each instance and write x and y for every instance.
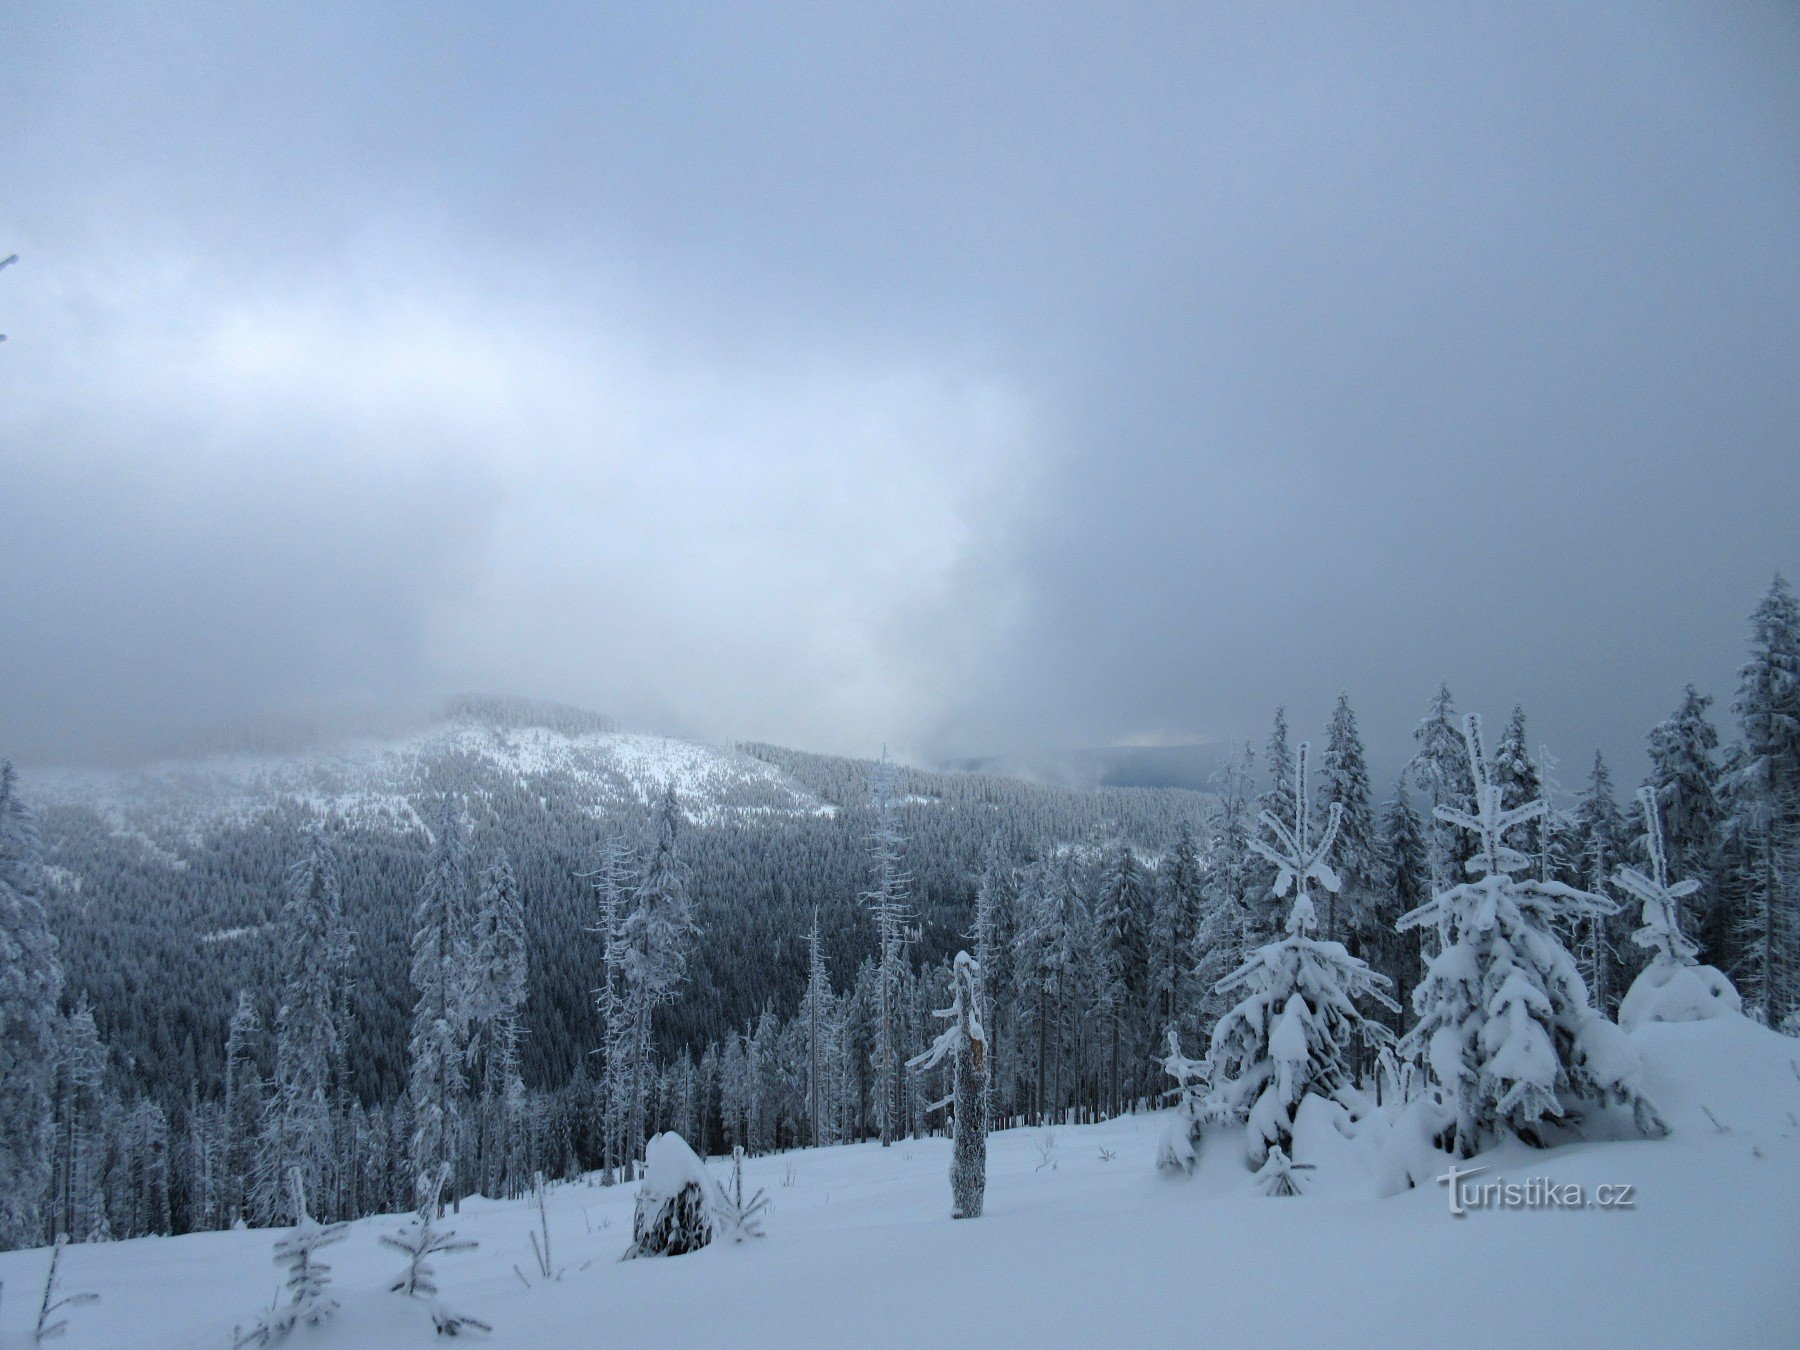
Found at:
(376, 783)
(861, 1251)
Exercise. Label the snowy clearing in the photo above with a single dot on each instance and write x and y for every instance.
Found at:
(861, 1250)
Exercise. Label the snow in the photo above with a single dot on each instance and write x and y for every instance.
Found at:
(372, 783)
(670, 1164)
(861, 1249)
(1667, 991)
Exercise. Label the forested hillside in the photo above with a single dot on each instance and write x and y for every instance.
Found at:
(165, 883)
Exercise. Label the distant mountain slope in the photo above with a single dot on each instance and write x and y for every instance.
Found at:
(575, 760)
(167, 881)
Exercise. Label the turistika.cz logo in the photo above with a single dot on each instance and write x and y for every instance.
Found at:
(1531, 1193)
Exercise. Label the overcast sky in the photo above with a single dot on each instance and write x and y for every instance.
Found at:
(973, 378)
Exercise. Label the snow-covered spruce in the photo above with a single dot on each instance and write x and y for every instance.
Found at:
(964, 1040)
(1505, 1026)
(673, 1214)
(420, 1239)
(308, 1278)
(437, 1080)
(1290, 1035)
(736, 1215)
(655, 934)
(1179, 1149)
(315, 947)
(30, 982)
(1280, 1174)
(1674, 987)
(888, 906)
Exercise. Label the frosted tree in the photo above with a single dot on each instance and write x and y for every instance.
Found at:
(1180, 902)
(437, 1081)
(1601, 837)
(243, 1106)
(1674, 987)
(1505, 1026)
(30, 983)
(306, 1031)
(736, 1215)
(1344, 783)
(1280, 1174)
(420, 1240)
(964, 1042)
(1441, 769)
(1232, 869)
(1684, 773)
(308, 1280)
(1520, 779)
(991, 934)
(1052, 923)
(1766, 805)
(612, 886)
(886, 900)
(1121, 924)
(816, 1009)
(655, 935)
(496, 982)
(1264, 916)
(81, 1105)
(1405, 885)
(1179, 1149)
(1291, 1033)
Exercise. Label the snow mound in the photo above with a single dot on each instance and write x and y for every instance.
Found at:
(1746, 1076)
(1669, 992)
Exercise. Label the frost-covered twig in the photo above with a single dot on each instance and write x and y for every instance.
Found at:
(51, 1305)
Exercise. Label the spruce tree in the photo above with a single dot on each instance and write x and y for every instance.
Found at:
(1291, 1034)
(1405, 885)
(1505, 1026)
(243, 1106)
(964, 1040)
(1602, 837)
(1766, 800)
(1344, 781)
(1684, 774)
(1674, 987)
(1180, 902)
(816, 1011)
(655, 936)
(887, 902)
(306, 1031)
(30, 984)
(1232, 869)
(496, 1002)
(991, 933)
(1121, 920)
(613, 886)
(440, 948)
(81, 1107)
(1441, 769)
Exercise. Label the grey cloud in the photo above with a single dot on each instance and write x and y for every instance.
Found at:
(979, 381)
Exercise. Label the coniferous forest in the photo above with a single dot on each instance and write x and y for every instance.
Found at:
(510, 980)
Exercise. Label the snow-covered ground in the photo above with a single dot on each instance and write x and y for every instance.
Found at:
(860, 1249)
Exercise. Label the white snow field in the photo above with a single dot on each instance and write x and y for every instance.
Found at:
(861, 1251)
